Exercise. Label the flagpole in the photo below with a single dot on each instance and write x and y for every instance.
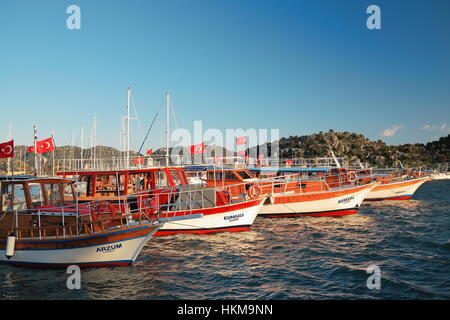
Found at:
(53, 155)
(9, 159)
(35, 150)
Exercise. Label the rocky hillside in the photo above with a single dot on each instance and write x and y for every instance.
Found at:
(352, 146)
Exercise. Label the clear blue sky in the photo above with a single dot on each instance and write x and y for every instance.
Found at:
(300, 66)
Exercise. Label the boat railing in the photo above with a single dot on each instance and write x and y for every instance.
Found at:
(152, 206)
(115, 163)
(66, 231)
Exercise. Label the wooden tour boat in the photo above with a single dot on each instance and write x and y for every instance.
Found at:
(42, 225)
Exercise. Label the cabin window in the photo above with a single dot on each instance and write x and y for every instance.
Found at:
(217, 174)
(161, 180)
(175, 177)
(68, 192)
(244, 175)
(37, 198)
(135, 182)
(54, 194)
(13, 197)
(81, 188)
(229, 175)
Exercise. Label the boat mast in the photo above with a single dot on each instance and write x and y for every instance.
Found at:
(128, 130)
(94, 140)
(167, 127)
(81, 147)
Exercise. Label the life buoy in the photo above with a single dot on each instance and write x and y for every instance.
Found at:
(254, 191)
(96, 210)
(352, 176)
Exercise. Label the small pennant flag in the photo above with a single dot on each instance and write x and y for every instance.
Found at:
(198, 148)
(241, 140)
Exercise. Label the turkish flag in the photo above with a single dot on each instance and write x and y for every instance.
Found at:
(139, 160)
(149, 152)
(43, 146)
(241, 140)
(198, 148)
(217, 159)
(261, 156)
(241, 152)
(7, 149)
(289, 162)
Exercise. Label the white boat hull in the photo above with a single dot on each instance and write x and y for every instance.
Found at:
(403, 190)
(328, 203)
(116, 253)
(237, 217)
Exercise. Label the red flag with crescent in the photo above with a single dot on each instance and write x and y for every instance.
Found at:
(149, 152)
(198, 148)
(45, 145)
(7, 149)
(241, 140)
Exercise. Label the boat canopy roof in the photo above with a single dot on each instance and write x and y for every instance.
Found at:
(199, 168)
(292, 170)
(32, 179)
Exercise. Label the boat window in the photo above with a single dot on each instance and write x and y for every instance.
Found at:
(175, 177)
(161, 180)
(68, 192)
(81, 188)
(54, 195)
(13, 197)
(244, 175)
(230, 175)
(37, 198)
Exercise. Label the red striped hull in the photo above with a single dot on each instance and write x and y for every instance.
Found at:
(390, 198)
(335, 213)
(202, 231)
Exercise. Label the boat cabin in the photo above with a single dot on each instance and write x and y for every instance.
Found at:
(35, 193)
(93, 185)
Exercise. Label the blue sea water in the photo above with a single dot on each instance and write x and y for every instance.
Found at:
(286, 258)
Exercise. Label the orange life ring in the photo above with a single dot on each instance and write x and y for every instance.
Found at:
(96, 211)
(352, 176)
(254, 191)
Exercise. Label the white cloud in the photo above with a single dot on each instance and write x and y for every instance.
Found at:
(389, 132)
(444, 128)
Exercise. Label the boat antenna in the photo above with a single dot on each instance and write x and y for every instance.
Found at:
(146, 136)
